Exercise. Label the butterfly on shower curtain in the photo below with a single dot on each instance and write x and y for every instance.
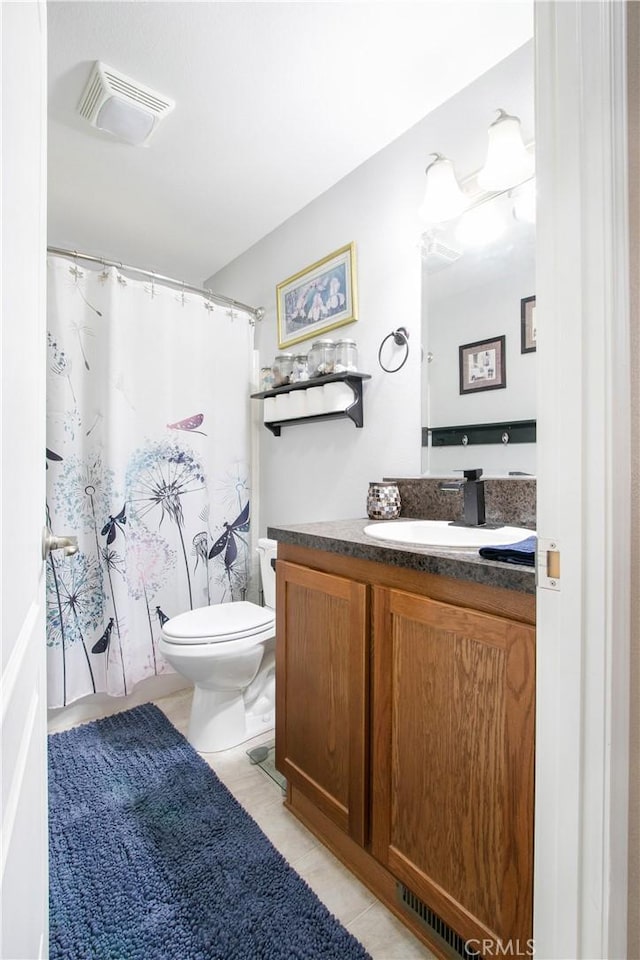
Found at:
(191, 424)
(114, 524)
(228, 538)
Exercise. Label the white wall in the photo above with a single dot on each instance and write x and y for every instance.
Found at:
(321, 470)
(495, 459)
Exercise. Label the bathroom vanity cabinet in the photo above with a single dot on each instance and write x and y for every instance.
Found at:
(405, 729)
(323, 661)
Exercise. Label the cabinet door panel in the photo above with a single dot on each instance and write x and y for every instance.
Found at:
(453, 709)
(321, 679)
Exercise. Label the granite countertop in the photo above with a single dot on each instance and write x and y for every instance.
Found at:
(346, 537)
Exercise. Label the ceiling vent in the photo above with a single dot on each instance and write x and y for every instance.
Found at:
(122, 106)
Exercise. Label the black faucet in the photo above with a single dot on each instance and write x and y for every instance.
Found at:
(473, 498)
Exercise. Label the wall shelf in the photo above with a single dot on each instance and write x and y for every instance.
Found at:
(309, 401)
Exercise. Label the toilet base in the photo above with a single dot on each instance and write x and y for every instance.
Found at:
(219, 720)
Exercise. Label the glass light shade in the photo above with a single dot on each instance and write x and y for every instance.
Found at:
(126, 121)
(481, 226)
(508, 161)
(443, 198)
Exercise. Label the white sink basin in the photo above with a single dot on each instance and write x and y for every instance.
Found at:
(440, 533)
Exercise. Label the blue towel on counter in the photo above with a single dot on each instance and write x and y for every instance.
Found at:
(524, 552)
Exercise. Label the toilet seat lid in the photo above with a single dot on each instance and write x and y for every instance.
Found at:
(219, 622)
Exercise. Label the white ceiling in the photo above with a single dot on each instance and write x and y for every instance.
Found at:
(275, 102)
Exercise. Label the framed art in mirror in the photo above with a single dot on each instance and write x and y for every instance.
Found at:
(317, 299)
(483, 365)
(528, 332)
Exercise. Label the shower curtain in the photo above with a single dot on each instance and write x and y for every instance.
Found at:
(147, 464)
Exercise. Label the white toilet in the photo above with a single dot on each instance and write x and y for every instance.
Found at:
(228, 651)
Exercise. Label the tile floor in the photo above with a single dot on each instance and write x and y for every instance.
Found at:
(358, 910)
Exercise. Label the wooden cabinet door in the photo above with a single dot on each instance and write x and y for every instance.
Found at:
(322, 651)
(452, 761)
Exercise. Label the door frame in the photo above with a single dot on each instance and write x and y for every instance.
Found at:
(23, 753)
(582, 764)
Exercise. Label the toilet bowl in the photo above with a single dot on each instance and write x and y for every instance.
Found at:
(227, 650)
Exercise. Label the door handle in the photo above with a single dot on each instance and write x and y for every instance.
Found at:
(69, 545)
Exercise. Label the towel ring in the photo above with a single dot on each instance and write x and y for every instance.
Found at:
(400, 338)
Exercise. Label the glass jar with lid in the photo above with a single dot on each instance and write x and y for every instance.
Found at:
(321, 358)
(300, 370)
(267, 380)
(312, 361)
(346, 356)
(282, 367)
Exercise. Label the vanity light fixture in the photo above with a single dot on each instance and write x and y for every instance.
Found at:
(509, 164)
(508, 161)
(121, 106)
(443, 198)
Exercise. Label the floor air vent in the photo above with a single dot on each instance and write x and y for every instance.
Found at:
(455, 945)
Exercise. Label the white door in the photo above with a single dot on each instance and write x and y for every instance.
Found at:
(23, 928)
(582, 726)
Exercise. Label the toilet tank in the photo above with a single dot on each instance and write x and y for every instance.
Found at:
(268, 550)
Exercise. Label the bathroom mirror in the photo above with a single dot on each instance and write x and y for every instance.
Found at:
(478, 285)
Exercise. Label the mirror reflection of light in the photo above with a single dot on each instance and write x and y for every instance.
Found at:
(481, 226)
(524, 203)
(443, 198)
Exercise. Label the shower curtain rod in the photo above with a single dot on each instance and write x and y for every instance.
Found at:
(256, 312)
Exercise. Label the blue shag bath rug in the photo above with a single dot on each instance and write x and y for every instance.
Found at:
(151, 857)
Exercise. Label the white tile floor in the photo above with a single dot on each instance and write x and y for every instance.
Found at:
(358, 910)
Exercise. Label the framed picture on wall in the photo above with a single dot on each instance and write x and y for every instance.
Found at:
(528, 325)
(317, 299)
(483, 365)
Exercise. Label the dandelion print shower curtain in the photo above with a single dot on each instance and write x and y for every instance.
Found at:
(147, 463)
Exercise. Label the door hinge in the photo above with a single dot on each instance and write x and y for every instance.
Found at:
(548, 564)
